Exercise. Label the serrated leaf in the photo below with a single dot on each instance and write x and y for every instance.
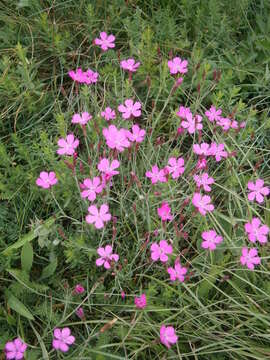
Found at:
(27, 256)
(16, 305)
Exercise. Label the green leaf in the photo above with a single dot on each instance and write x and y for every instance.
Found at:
(16, 305)
(27, 257)
(49, 269)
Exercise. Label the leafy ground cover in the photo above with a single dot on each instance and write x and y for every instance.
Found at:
(216, 303)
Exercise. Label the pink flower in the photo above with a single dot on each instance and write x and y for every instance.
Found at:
(123, 295)
(160, 251)
(178, 272)
(201, 164)
(85, 77)
(15, 349)
(192, 123)
(164, 212)
(46, 180)
(257, 191)
(242, 125)
(81, 119)
(183, 112)
(62, 339)
(79, 289)
(129, 65)
(68, 145)
(105, 41)
(256, 232)
(116, 139)
(108, 169)
(176, 65)
(90, 77)
(168, 336)
(140, 301)
(234, 125)
(213, 114)
(218, 151)
(130, 109)
(108, 114)
(106, 257)
(225, 123)
(80, 313)
(91, 188)
(176, 167)
(204, 180)
(77, 75)
(202, 203)
(201, 149)
(250, 258)
(211, 239)
(136, 135)
(98, 216)
(156, 175)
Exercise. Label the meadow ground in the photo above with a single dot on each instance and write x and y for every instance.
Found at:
(218, 306)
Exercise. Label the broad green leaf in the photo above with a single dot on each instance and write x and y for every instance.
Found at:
(27, 257)
(16, 305)
(49, 269)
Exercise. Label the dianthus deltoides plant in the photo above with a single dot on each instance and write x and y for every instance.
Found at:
(167, 215)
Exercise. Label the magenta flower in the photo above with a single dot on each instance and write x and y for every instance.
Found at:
(90, 77)
(256, 232)
(213, 114)
(46, 180)
(77, 75)
(98, 217)
(176, 167)
(164, 212)
(225, 123)
(202, 203)
(79, 289)
(81, 119)
(192, 123)
(15, 349)
(140, 301)
(183, 112)
(91, 188)
(176, 65)
(84, 77)
(106, 41)
(257, 191)
(168, 336)
(156, 175)
(201, 164)
(130, 109)
(62, 339)
(80, 313)
(116, 139)
(106, 257)
(178, 272)
(211, 240)
(201, 149)
(123, 295)
(108, 169)
(218, 151)
(137, 135)
(68, 145)
(129, 65)
(160, 251)
(250, 258)
(204, 180)
(108, 114)
(234, 125)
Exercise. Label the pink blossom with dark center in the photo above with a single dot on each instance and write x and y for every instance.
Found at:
(62, 339)
(106, 256)
(178, 272)
(130, 65)
(91, 188)
(15, 349)
(130, 109)
(140, 301)
(137, 135)
(105, 41)
(108, 114)
(202, 203)
(68, 145)
(192, 123)
(204, 180)
(116, 139)
(176, 65)
(46, 180)
(156, 175)
(176, 167)
(164, 212)
(81, 119)
(201, 164)
(98, 217)
(211, 239)
(168, 336)
(108, 168)
(256, 232)
(257, 191)
(160, 251)
(250, 258)
(217, 150)
(213, 113)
